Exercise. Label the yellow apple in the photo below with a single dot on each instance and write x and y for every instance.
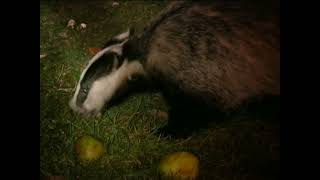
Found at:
(88, 148)
(180, 165)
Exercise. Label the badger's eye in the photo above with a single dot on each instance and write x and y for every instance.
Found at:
(84, 90)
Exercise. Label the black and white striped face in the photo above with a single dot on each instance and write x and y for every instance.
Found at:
(106, 73)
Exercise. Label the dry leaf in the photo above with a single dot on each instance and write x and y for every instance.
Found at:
(94, 51)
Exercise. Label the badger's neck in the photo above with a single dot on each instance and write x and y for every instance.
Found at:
(138, 45)
(134, 48)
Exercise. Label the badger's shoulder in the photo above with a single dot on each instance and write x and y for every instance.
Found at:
(219, 52)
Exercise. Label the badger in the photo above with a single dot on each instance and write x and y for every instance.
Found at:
(213, 56)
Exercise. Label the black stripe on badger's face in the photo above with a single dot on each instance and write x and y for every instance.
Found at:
(101, 67)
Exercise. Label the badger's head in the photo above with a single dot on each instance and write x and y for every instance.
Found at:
(104, 76)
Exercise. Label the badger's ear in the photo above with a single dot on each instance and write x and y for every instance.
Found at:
(125, 35)
(120, 38)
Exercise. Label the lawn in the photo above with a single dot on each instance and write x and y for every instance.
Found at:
(242, 147)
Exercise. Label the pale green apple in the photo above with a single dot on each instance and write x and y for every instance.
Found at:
(88, 148)
(180, 165)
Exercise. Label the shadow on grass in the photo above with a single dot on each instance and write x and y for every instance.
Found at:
(188, 116)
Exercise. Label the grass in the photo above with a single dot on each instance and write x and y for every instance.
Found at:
(244, 147)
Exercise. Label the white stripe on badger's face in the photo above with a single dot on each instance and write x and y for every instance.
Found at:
(105, 88)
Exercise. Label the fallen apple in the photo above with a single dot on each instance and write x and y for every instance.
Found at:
(88, 148)
(179, 165)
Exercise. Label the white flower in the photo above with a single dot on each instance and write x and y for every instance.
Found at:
(115, 4)
(83, 26)
(71, 23)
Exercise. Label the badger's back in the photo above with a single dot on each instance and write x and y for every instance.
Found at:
(223, 55)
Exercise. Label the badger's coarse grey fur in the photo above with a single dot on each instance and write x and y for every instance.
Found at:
(219, 54)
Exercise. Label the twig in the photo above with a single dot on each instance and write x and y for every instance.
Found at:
(43, 56)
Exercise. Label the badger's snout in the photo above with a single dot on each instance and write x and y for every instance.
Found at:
(75, 108)
(83, 110)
